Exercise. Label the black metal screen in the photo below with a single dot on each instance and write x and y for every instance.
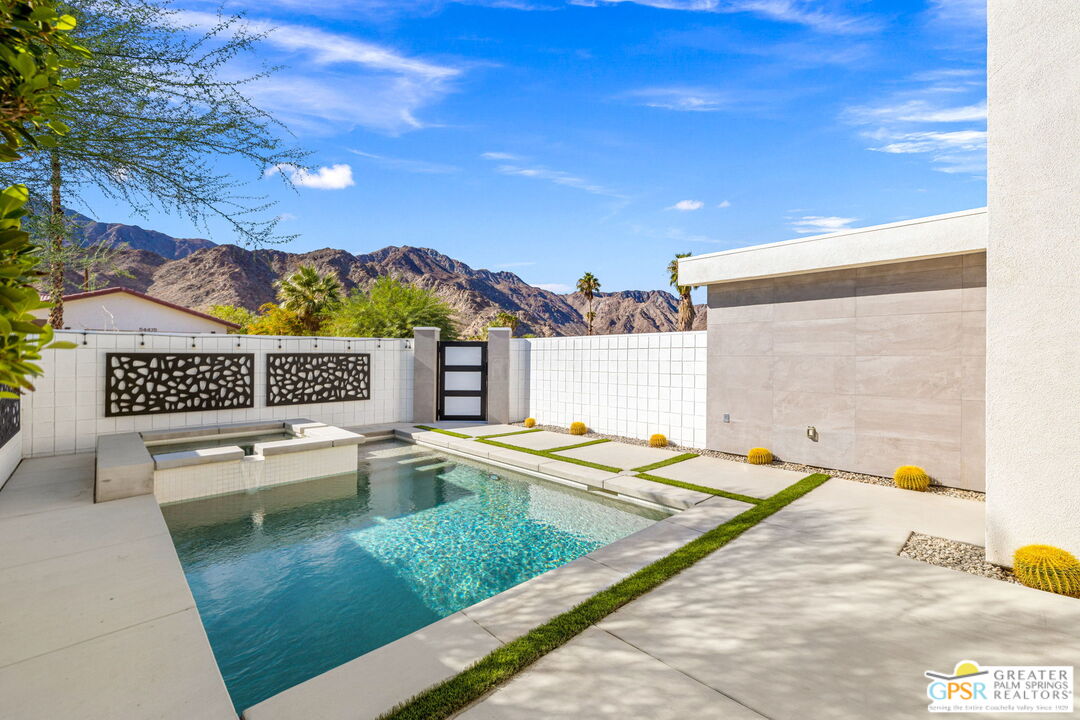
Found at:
(301, 378)
(10, 416)
(153, 383)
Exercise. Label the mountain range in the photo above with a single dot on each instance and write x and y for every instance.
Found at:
(198, 273)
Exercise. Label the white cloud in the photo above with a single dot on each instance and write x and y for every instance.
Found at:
(335, 82)
(422, 167)
(555, 287)
(683, 99)
(687, 205)
(937, 117)
(558, 177)
(821, 224)
(809, 13)
(724, 204)
(499, 156)
(328, 177)
(285, 217)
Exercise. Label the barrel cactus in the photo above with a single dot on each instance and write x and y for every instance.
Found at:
(1048, 568)
(911, 477)
(529, 422)
(759, 456)
(577, 428)
(657, 441)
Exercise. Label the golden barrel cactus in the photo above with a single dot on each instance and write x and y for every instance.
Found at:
(759, 456)
(529, 422)
(1048, 568)
(577, 428)
(911, 477)
(658, 440)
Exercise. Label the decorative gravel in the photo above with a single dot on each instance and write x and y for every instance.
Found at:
(845, 474)
(954, 554)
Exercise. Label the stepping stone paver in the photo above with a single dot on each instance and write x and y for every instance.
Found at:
(673, 497)
(759, 481)
(620, 455)
(543, 440)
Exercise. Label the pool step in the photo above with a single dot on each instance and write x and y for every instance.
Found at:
(434, 466)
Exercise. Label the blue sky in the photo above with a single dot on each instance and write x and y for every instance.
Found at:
(551, 137)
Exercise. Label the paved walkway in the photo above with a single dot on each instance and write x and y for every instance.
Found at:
(96, 618)
(810, 614)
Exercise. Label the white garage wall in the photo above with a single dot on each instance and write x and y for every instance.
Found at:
(66, 412)
(629, 385)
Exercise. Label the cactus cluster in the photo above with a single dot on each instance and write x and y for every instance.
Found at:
(529, 422)
(1048, 568)
(911, 477)
(759, 456)
(657, 440)
(577, 428)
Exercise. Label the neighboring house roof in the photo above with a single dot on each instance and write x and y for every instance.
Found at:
(151, 298)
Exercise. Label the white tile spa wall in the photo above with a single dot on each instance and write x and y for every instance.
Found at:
(67, 411)
(629, 385)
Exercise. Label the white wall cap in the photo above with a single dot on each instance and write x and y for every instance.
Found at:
(935, 236)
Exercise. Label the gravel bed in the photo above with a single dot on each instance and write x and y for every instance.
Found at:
(845, 474)
(955, 555)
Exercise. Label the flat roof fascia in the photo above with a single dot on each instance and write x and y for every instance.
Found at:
(936, 236)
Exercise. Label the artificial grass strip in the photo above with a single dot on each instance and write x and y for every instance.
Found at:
(701, 489)
(450, 696)
(578, 445)
(547, 454)
(443, 432)
(665, 463)
(515, 432)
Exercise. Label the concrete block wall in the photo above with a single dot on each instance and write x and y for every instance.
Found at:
(520, 367)
(885, 361)
(629, 385)
(67, 411)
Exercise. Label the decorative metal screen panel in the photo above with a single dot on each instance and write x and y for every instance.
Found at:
(10, 416)
(153, 383)
(302, 378)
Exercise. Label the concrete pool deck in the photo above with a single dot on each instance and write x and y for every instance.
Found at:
(810, 613)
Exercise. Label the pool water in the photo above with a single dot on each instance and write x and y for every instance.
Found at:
(294, 580)
(244, 442)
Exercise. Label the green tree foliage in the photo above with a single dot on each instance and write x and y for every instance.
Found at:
(34, 48)
(310, 295)
(504, 318)
(391, 309)
(588, 285)
(686, 303)
(234, 314)
(158, 106)
(276, 320)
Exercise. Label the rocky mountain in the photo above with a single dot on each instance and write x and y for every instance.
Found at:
(170, 248)
(198, 274)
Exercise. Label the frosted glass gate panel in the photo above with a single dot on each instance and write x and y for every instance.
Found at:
(462, 381)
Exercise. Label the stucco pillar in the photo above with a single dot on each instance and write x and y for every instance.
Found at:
(498, 375)
(1033, 253)
(425, 373)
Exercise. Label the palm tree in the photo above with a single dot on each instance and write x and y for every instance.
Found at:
(587, 286)
(686, 304)
(504, 318)
(310, 295)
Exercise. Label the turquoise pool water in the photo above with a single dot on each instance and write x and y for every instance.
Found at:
(295, 580)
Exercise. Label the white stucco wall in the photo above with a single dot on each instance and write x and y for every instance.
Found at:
(1033, 277)
(629, 385)
(120, 311)
(10, 456)
(66, 412)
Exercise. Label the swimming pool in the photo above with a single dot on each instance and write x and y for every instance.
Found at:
(296, 579)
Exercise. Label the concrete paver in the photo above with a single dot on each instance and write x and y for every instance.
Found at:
(543, 440)
(620, 455)
(758, 481)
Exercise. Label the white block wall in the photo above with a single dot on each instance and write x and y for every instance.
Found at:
(629, 385)
(67, 411)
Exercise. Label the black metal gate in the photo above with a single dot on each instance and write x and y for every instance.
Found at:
(462, 380)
